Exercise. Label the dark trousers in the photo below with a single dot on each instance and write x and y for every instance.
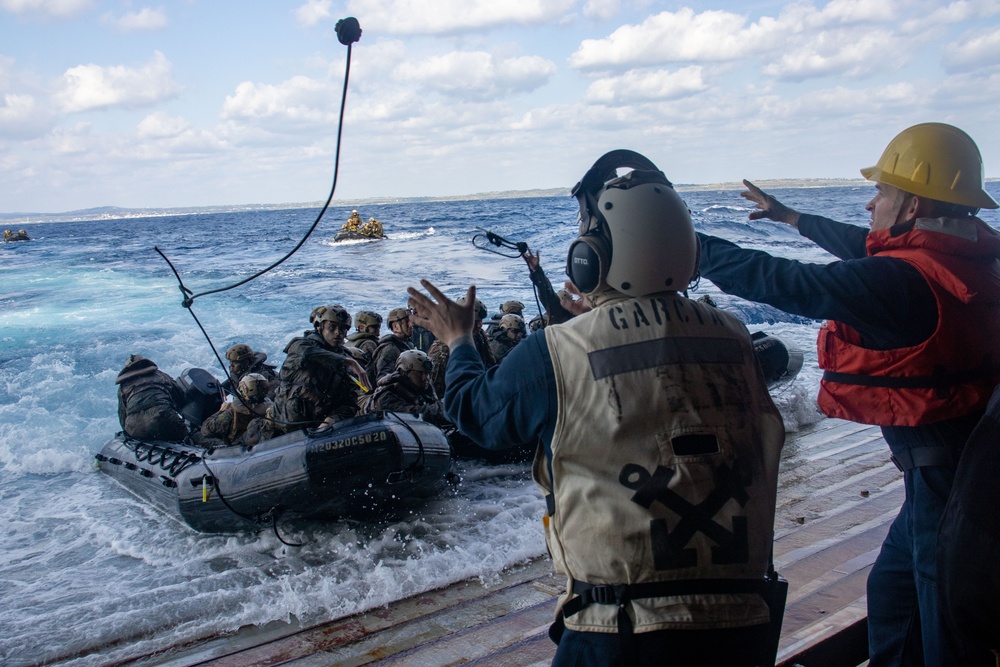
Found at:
(905, 623)
(732, 647)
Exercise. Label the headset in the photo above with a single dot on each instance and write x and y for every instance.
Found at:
(589, 260)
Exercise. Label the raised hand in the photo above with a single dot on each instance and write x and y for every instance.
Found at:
(768, 207)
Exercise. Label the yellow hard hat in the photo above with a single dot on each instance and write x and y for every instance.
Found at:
(936, 161)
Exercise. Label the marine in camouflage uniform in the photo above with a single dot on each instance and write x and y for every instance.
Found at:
(408, 389)
(391, 345)
(511, 307)
(369, 325)
(555, 302)
(479, 336)
(316, 386)
(508, 333)
(438, 354)
(353, 223)
(231, 424)
(148, 401)
(373, 228)
(243, 361)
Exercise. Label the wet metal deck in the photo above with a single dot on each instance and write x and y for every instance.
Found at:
(838, 493)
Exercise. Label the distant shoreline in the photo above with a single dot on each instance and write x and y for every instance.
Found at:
(114, 212)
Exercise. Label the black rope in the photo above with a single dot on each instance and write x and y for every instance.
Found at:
(500, 242)
(419, 463)
(348, 31)
(275, 512)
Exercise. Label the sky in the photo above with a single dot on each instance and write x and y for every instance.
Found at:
(225, 102)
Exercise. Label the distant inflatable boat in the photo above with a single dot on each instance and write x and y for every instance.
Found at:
(361, 467)
(344, 235)
(10, 236)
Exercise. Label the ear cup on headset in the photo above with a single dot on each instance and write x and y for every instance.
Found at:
(587, 262)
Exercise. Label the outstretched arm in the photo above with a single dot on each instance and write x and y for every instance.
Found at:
(769, 207)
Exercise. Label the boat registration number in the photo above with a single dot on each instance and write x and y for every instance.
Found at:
(354, 441)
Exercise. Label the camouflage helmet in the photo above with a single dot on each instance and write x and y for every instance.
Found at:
(239, 352)
(135, 366)
(253, 388)
(367, 318)
(481, 312)
(512, 307)
(414, 360)
(316, 312)
(512, 321)
(335, 313)
(397, 314)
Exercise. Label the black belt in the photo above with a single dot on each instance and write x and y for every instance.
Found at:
(622, 594)
(588, 594)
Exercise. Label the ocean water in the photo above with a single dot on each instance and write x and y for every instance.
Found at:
(91, 575)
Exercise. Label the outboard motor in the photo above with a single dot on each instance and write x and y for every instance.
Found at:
(202, 395)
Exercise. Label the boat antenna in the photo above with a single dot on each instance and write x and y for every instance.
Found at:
(348, 32)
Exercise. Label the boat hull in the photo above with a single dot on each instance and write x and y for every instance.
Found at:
(356, 236)
(369, 466)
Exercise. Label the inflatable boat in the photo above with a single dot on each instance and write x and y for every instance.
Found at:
(365, 467)
(344, 235)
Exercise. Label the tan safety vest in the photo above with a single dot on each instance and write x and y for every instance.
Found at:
(664, 461)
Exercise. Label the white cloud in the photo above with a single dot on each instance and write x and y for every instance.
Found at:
(313, 12)
(477, 73)
(955, 12)
(851, 53)
(173, 134)
(22, 117)
(160, 125)
(431, 17)
(669, 37)
(144, 19)
(55, 8)
(299, 101)
(601, 9)
(973, 51)
(850, 12)
(87, 87)
(639, 86)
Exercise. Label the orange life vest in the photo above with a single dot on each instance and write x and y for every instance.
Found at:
(950, 374)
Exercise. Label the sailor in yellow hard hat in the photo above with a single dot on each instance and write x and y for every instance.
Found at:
(912, 327)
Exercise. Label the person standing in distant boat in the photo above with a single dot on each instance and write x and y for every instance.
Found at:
(658, 442)
(353, 223)
(909, 345)
(149, 401)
